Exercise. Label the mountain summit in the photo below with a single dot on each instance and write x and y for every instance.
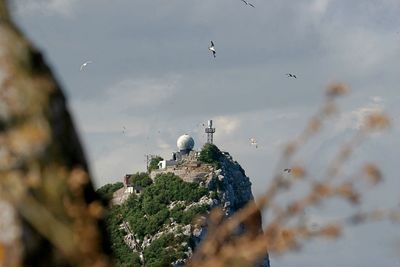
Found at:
(159, 218)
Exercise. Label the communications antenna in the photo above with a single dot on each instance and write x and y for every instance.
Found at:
(210, 132)
(149, 157)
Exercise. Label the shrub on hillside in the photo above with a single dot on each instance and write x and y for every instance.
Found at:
(153, 165)
(106, 191)
(210, 154)
(148, 212)
(141, 179)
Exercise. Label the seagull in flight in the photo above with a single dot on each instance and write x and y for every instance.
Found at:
(85, 64)
(287, 170)
(212, 48)
(247, 3)
(253, 142)
(290, 75)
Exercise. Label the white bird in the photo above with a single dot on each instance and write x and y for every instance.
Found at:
(247, 3)
(212, 48)
(85, 64)
(253, 142)
(290, 75)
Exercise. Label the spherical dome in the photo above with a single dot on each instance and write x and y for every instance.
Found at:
(185, 142)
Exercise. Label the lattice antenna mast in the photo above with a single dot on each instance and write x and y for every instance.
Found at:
(149, 157)
(210, 132)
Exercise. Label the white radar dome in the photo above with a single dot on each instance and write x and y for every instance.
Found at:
(185, 142)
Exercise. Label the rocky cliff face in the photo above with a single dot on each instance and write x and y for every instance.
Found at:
(228, 187)
(233, 190)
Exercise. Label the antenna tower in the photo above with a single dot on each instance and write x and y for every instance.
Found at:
(210, 132)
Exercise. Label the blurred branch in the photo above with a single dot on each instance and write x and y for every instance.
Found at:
(287, 229)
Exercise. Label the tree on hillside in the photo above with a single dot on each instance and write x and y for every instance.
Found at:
(211, 154)
(106, 191)
(141, 179)
(153, 165)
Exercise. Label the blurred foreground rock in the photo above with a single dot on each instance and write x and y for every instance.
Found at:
(49, 212)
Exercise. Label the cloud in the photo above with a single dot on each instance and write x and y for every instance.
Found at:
(141, 92)
(162, 144)
(45, 7)
(355, 118)
(124, 104)
(114, 163)
(376, 99)
(122, 122)
(227, 125)
(319, 7)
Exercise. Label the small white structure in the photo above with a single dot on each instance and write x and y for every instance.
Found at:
(163, 164)
(129, 190)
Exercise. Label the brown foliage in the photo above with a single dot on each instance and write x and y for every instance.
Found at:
(280, 234)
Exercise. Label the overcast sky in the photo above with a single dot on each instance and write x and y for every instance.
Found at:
(152, 73)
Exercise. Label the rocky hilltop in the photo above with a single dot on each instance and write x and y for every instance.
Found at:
(154, 215)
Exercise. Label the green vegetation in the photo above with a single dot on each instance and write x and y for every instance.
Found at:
(106, 191)
(185, 217)
(122, 255)
(141, 179)
(148, 213)
(155, 199)
(153, 165)
(211, 154)
(165, 250)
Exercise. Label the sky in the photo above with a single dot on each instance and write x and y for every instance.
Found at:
(153, 79)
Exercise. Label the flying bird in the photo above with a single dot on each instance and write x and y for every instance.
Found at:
(287, 170)
(123, 129)
(253, 142)
(212, 48)
(247, 3)
(85, 64)
(290, 75)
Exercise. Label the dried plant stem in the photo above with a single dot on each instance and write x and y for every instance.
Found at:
(224, 247)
